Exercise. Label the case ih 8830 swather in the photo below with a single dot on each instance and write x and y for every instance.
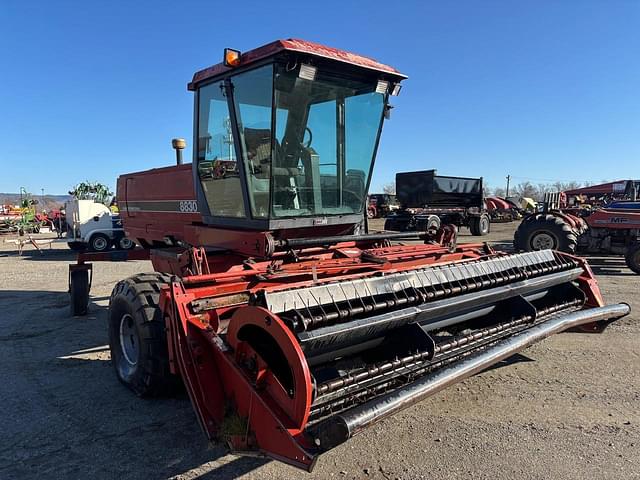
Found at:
(290, 330)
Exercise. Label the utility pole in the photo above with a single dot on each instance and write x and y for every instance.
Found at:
(508, 180)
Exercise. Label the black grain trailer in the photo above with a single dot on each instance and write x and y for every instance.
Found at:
(428, 200)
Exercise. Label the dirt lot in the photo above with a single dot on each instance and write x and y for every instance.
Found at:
(566, 408)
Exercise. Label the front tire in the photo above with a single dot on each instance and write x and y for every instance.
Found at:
(433, 223)
(545, 231)
(99, 242)
(137, 336)
(126, 243)
(480, 226)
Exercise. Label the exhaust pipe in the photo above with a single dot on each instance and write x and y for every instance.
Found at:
(339, 428)
(178, 145)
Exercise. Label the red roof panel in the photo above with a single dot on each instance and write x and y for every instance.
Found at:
(602, 189)
(296, 45)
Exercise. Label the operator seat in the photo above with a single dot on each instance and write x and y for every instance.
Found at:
(258, 147)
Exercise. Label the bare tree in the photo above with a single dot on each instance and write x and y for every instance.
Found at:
(572, 185)
(499, 192)
(562, 186)
(526, 189)
(544, 188)
(389, 188)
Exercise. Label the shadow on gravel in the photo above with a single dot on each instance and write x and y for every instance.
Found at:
(610, 265)
(46, 254)
(65, 415)
(512, 360)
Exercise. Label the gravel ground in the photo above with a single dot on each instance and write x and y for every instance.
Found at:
(565, 408)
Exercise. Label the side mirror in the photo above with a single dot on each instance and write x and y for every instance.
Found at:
(387, 111)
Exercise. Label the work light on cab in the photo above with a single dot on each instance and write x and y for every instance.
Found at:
(231, 57)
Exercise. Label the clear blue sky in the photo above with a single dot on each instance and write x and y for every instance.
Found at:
(547, 90)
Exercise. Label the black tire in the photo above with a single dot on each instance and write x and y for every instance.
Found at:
(632, 258)
(79, 292)
(433, 223)
(77, 246)
(137, 336)
(485, 224)
(125, 243)
(545, 231)
(480, 226)
(473, 226)
(99, 242)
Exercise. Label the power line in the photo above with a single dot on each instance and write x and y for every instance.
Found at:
(549, 179)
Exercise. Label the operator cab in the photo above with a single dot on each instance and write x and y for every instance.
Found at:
(286, 135)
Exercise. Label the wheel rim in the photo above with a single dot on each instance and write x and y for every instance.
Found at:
(484, 225)
(99, 243)
(125, 243)
(129, 339)
(543, 241)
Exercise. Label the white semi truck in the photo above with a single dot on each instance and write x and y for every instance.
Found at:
(93, 226)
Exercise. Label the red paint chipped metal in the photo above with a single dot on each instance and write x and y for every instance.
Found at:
(302, 46)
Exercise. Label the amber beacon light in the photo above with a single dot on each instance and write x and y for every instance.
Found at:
(231, 57)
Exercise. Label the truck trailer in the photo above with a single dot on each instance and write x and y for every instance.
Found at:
(428, 200)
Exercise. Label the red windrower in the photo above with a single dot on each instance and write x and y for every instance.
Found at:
(291, 328)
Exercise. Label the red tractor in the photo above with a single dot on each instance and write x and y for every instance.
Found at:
(502, 210)
(381, 205)
(291, 330)
(611, 229)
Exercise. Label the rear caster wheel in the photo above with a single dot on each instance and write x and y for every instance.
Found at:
(79, 292)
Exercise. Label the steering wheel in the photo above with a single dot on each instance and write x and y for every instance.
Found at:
(308, 144)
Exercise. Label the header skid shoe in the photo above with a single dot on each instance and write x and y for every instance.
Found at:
(289, 362)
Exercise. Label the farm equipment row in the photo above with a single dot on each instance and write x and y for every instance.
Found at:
(612, 229)
(23, 218)
(290, 329)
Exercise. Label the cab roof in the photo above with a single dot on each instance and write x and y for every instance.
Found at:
(299, 46)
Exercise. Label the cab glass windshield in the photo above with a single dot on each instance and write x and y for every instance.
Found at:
(304, 148)
(326, 131)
